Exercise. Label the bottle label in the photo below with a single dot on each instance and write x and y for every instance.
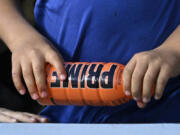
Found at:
(92, 76)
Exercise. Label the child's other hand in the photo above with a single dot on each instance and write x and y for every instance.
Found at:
(10, 116)
(150, 68)
(28, 61)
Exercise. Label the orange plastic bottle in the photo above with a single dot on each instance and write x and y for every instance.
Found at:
(96, 84)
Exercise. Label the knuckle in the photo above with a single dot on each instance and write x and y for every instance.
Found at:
(166, 65)
(134, 77)
(167, 68)
(58, 67)
(14, 57)
(127, 71)
(15, 71)
(138, 74)
(145, 57)
(148, 77)
(52, 55)
(141, 55)
(27, 73)
(15, 62)
(38, 68)
(33, 52)
(157, 60)
(136, 55)
(15, 74)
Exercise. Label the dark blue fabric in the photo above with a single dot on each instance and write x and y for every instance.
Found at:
(110, 31)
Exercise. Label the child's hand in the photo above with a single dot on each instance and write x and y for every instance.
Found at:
(28, 60)
(150, 68)
(30, 51)
(11, 116)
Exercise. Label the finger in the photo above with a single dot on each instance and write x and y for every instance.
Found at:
(7, 119)
(37, 117)
(57, 61)
(39, 74)
(16, 76)
(127, 74)
(18, 116)
(149, 80)
(137, 79)
(140, 104)
(163, 77)
(29, 79)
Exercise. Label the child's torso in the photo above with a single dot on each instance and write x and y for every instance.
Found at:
(105, 30)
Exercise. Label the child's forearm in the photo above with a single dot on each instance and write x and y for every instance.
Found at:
(13, 27)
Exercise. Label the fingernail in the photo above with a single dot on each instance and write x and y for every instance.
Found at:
(157, 98)
(141, 105)
(135, 98)
(32, 119)
(145, 100)
(44, 94)
(14, 120)
(35, 96)
(22, 92)
(127, 93)
(62, 77)
(43, 119)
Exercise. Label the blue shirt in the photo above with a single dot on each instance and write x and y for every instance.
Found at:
(110, 31)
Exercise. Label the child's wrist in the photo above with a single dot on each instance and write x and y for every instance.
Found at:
(169, 48)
